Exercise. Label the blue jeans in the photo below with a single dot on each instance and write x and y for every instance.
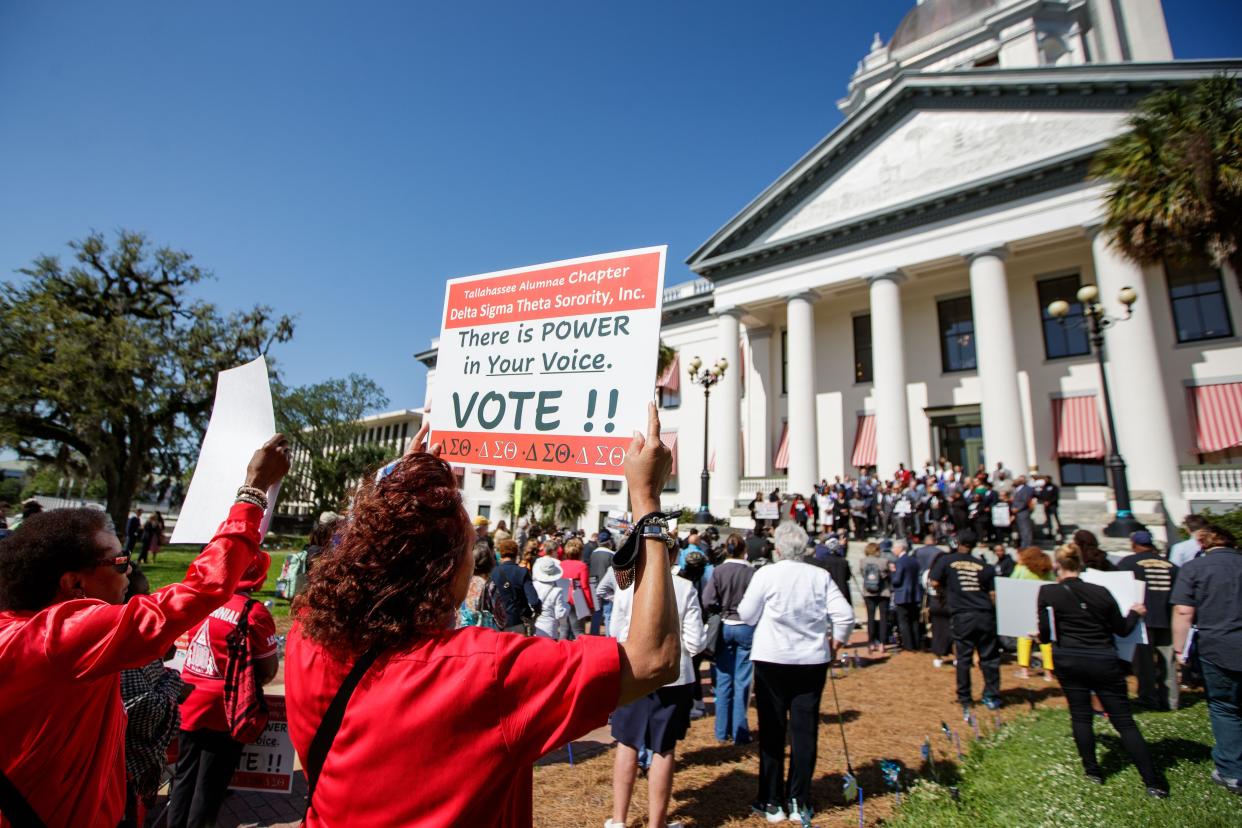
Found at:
(733, 674)
(601, 617)
(1224, 694)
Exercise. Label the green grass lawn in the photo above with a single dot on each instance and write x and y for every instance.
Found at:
(1028, 774)
(174, 560)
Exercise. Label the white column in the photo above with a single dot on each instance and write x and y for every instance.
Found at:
(1136, 379)
(997, 358)
(800, 341)
(888, 369)
(758, 378)
(726, 413)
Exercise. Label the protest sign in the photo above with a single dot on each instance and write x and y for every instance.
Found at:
(1126, 591)
(267, 763)
(242, 420)
(550, 368)
(1017, 607)
(767, 510)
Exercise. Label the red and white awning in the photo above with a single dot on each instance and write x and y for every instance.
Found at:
(1218, 416)
(864, 454)
(669, 438)
(1076, 428)
(484, 471)
(670, 380)
(782, 450)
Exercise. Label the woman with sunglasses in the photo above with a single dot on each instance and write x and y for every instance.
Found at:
(66, 634)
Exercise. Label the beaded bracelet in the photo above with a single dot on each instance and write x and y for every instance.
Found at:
(253, 500)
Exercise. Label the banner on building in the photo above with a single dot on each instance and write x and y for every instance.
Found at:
(549, 368)
(267, 764)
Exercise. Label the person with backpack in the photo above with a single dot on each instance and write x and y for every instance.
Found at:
(877, 587)
(66, 633)
(483, 607)
(209, 743)
(517, 590)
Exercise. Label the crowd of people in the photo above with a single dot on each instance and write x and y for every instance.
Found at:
(425, 642)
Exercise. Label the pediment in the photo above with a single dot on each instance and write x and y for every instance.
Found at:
(929, 152)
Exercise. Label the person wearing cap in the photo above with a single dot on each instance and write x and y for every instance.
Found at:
(1153, 663)
(481, 530)
(969, 585)
(600, 563)
(208, 753)
(547, 574)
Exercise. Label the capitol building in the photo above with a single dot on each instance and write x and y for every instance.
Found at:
(884, 301)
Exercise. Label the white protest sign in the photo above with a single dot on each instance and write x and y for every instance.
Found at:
(242, 420)
(1017, 606)
(550, 368)
(267, 763)
(767, 510)
(1126, 591)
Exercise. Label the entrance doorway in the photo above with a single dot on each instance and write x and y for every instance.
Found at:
(957, 434)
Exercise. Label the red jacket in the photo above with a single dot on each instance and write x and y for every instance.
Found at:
(63, 727)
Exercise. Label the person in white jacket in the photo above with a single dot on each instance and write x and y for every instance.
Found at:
(547, 575)
(800, 619)
(659, 720)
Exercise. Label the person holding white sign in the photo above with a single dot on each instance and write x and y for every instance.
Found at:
(391, 749)
(65, 637)
(1080, 620)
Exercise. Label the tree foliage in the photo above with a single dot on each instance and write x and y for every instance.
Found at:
(320, 421)
(1175, 179)
(550, 500)
(108, 366)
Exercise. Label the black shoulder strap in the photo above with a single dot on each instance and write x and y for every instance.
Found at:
(15, 807)
(325, 735)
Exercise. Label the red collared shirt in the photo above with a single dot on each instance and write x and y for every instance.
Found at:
(446, 732)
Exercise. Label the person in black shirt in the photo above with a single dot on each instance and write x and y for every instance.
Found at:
(1050, 496)
(1080, 620)
(1208, 594)
(1153, 662)
(517, 591)
(969, 586)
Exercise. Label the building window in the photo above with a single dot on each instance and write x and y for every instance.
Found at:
(669, 399)
(488, 480)
(992, 61)
(485, 510)
(862, 348)
(1062, 340)
(1200, 307)
(1083, 473)
(610, 487)
(459, 474)
(957, 334)
(784, 360)
(671, 484)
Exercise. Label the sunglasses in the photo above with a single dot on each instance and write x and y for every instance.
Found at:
(121, 562)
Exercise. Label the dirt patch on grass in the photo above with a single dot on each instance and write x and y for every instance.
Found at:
(889, 707)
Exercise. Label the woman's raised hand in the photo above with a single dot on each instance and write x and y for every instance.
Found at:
(647, 465)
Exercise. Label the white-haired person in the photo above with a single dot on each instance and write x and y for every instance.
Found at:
(801, 619)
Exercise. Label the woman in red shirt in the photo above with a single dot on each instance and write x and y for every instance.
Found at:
(65, 636)
(439, 700)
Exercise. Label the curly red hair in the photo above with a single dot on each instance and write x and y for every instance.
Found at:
(390, 577)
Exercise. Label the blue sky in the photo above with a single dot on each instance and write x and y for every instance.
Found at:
(339, 160)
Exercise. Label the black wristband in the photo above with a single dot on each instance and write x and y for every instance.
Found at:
(625, 562)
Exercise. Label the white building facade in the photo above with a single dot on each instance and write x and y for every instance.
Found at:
(884, 301)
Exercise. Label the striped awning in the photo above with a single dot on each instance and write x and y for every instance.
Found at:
(864, 454)
(1217, 415)
(782, 450)
(484, 471)
(459, 471)
(670, 380)
(669, 438)
(1076, 427)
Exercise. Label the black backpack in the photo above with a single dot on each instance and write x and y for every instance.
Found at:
(872, 579)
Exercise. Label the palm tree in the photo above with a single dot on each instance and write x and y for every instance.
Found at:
(1175, 179)
(550, 499)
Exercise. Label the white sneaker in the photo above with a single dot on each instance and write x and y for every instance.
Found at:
(771, 812)
(937, 662)
(608, 823)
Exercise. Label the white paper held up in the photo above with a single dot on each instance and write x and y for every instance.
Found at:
(1017, 606)
(1126, 591)
(242, 420)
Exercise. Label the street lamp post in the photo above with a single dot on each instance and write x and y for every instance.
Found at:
(706, 377)
(1097, 321)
